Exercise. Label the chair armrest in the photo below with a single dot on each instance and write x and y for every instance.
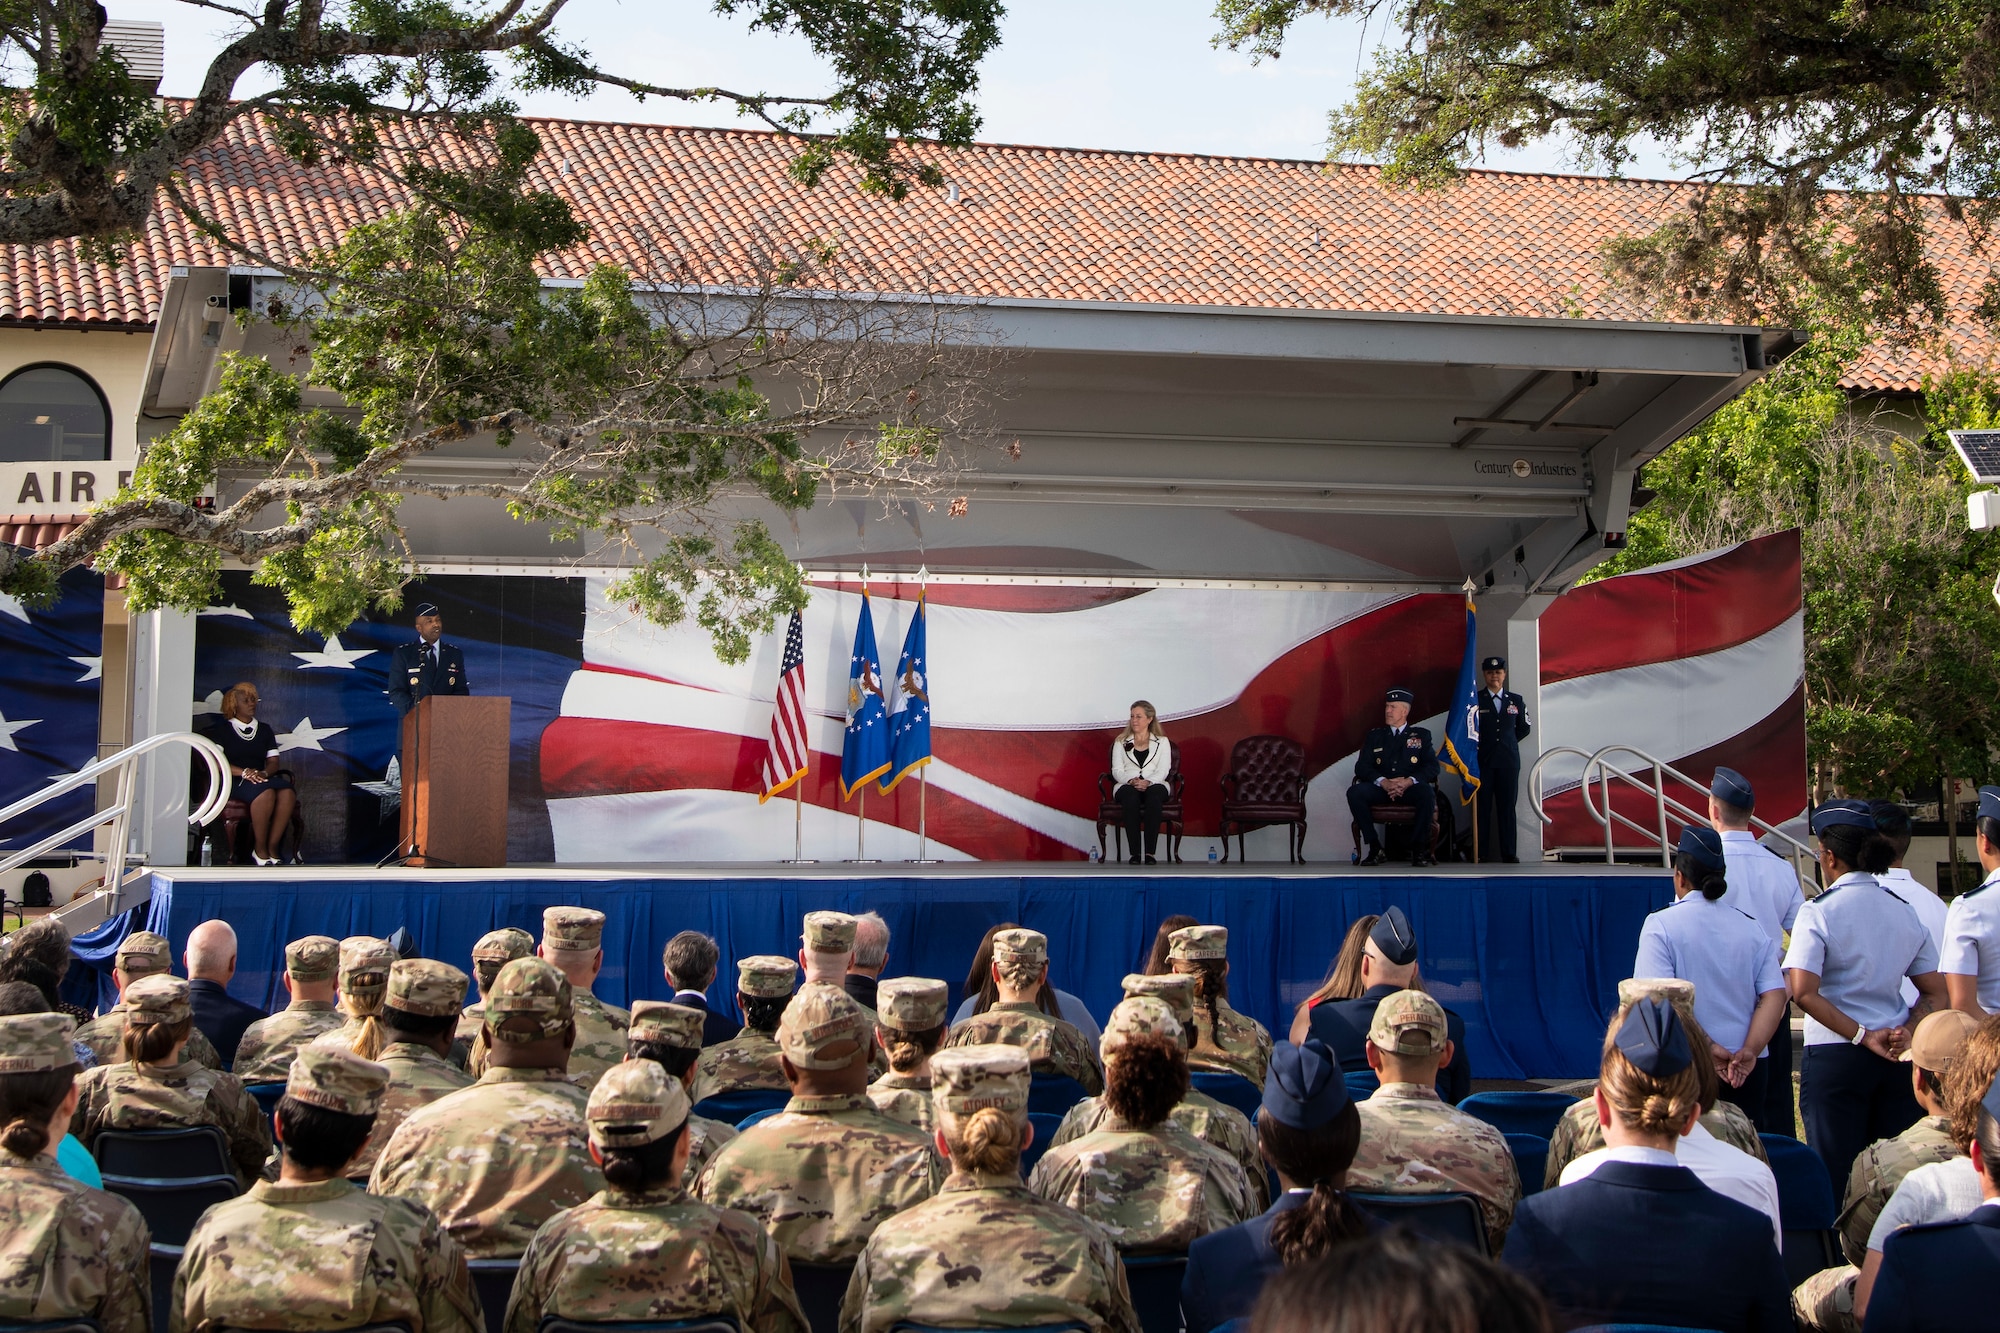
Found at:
(1107, 786)
(1230, 785)
(1176, 780)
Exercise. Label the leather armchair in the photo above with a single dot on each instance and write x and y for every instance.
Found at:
(1386, 815)
(1172, 824)
(1265, 785)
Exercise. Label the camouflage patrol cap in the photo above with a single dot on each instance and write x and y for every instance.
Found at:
(503, 945)
(36, 1043)
(824, 1028)
(1173, 989)
(1198, 943)
(1021, 946)
(530, 988)
(1678, 993)
(912, 1004)
(1409, 1023)
(143, 953)
(572, 929)
(1138, 1016)
(364, 965)
(327, 1074)
(157, 999)
(829, 932)
(766, 976)
(426, 986)
(665, 1024)
(314, 958)
(634, 1104)
(965, 1079)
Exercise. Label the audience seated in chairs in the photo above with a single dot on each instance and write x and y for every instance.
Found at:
(1388, 964)
(262, 790)
(981, 991)
(1397, 1283)
(1019, 1016)
(1265, 786)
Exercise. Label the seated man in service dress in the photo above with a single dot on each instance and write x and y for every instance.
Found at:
(1398, 764)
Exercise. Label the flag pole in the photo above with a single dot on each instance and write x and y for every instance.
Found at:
(861, 814)
(1475, 826)
(798, 822)
(924, 773)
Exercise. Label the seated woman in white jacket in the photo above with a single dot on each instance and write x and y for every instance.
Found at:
(1141, 758)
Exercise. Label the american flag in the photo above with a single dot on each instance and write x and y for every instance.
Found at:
(786, 759)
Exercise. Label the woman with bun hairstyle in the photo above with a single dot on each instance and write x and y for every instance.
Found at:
(1739, 991)
(1851, 948)
(1642, 1240)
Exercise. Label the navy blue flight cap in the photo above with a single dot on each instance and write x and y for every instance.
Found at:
(1399, 695)
(427, 609)
(1494, 664)
(1989, 802)
(1391, 934)
(1704, 846)
(1856, 813)
(1991, 1101)
(1732, 788)
(1304, 1087)
(1653, 1039)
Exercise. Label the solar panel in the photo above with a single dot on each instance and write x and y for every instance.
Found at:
(1980, 450)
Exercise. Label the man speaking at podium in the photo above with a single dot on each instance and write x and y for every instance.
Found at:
(427, 666)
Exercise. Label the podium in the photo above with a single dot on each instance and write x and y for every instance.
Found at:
(455, 759)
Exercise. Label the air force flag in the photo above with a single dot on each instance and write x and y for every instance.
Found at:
(910, 705)
(864, 751)
(1461, 722)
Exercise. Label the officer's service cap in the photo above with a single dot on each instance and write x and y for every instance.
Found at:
(1393, 938)
(314, 958)
(364, 965)
(427, 987)
(503, 945)
(1989, 802)
(1304, 1088)
(1193, 944)
(1936, 1042)
(530, 990)
(1494, 664)
(968, 1079)
(572, 929)
(143, 953)
(157, 999)
(1021, 946)
(1675, 991)
(328, 1074)
(1139, 1016)
(1703, 846)
(634, 1104)
(36, 1043)
(661, 1024)
(1834, 813)
(912, 1004)
(1652, 1038)
(427, 609)
(1173, 989)
(829, 932)
(765, 976)
(1732, 788)
(824, 1028)
(1399, 695)
(1409, 1023)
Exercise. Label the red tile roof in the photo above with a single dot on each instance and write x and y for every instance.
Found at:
(1050, 223)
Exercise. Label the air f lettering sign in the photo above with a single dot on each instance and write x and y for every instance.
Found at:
(48, 489)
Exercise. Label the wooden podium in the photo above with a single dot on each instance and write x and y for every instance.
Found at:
(455, 757)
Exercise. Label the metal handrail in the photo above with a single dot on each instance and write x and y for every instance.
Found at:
(1596, 768)
(121, 766)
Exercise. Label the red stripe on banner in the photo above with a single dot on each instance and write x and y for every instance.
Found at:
(1663, 615)
(1028, 599)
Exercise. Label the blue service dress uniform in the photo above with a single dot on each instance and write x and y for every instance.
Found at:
(1503, 725)
(1343, 1025)
(1390, 752)
(1227, 1269)
(415, 673)
(1939, 1277)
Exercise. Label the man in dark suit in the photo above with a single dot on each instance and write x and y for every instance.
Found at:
(427, 666)
(1503, 725)
(691, 960)
(871, 955)
(1398, 764)
(211, 962)
(1939, 1277)
(1388, 964)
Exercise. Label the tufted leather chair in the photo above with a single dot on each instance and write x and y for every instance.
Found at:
(1265, 785)
(1109, 812)
(1432, 837)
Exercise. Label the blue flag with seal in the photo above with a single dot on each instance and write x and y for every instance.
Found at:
(1461, 722)
(864, 751)
(910, 705)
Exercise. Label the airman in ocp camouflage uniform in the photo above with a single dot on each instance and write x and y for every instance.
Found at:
(640, 1255)
(142, 954)
(135, 1096)
(1209, 1120)
(573, 940)
(833, 933)
(265, 1053)
(67, 1251)
(1224, 1039)
(418, 1075)
(909, 1005)
(501, 1157)
(750, 1058)
(677, 1028)
(310, 1254)
(1152, 1187)
(1053, 1046)
(1413, 1141)
(824, 1172)
(364, 986)
(986, 1251)
(495, 949)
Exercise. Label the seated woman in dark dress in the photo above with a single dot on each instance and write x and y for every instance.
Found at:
(252, 750)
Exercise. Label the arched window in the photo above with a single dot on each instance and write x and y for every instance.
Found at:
(53, 414)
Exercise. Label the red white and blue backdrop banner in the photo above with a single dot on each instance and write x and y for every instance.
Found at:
(49, 698)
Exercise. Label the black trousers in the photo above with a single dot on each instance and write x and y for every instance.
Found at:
(1499, 789)
(1778, 1115)
(1751, 1096)
(1422, 795)
(1142, 810)
(1849, 1097)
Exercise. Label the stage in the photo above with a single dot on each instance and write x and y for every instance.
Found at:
(1531, 956)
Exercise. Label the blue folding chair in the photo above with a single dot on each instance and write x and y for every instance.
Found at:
(1447, 1217)
(1155, 1283)
(1054, 1094)
(1046, 1126)
(1806, 1207)
(820, 1288)
(733, 1108)
(758, 1117)
(1531, 1159)
(1361, 1083)
(708, 1323)
(1519, 1112)
(1229, 1088)
(493, 1279)
(267, 1096)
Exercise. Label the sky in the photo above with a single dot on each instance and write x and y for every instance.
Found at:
(1116, 74)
